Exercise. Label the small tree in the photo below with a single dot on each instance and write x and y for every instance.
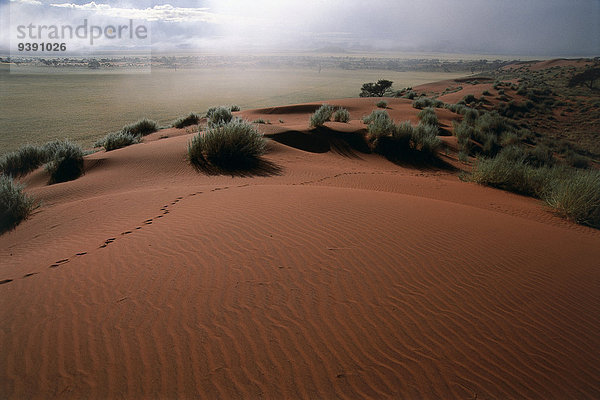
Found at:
(586, 78)
(378, 89)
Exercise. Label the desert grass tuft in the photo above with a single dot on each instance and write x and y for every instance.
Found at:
(15, 206)
(218, 116)
(23, 161)
(322, 115)
(236, 145)
(341, 115)
(117, 140)
(142, 127)
(191, 119)
(577, 197)
(66, 164)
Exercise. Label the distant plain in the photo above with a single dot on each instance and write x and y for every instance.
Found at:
(36, 108)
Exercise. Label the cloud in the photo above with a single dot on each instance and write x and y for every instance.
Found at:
(29, 2)
(165, 12)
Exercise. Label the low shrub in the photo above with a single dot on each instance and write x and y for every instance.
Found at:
(234, 108)
(322, 115)
(341, 115)
(379, 124)
(427, 116)
(141, 128)
(515, 176)
(117, 140)
(15, 206)
(218, 116)
(382, 104)
(231, 146)
(424, 102)
(425, 139)
(577, 160)
(23, 161)
(66, 164)
(191, 119)
(578, 197)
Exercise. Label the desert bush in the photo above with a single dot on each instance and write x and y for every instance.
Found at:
(23, 161)
(141, 128)
(380, 124)
(66, 163)
(322, 115)
(15, 205)
(234, 145)
(341, 115)
(259, 121)
(509, 139)
(425, 139)
(428, 117)
(515, 176)
(576, 160)
(234, 108)
(117, 140)
(424, 102)
(468, 99)
(382, 104)
(471, 115)
(486, 93)
(191, 119)
(577, 197)
(218, 116)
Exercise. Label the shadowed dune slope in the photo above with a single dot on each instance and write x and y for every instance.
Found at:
(340, 276)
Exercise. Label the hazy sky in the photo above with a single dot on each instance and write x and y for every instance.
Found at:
(511, 27)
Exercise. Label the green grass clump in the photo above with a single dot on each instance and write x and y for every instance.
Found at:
(382, 104)
(232, 146)
(379, 125)
(15, 206)
(341, 115)
(424, 102)
(578, 197)
(259, 121)
(191, 119)
(141, 128)
(23, 161)
(322, 115)
(218, 116)
(428, 117)
(117, 140)
(66, 164)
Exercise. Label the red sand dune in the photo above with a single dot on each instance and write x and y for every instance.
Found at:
(331, 274)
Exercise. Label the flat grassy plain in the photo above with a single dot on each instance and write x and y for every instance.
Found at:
(36, 108)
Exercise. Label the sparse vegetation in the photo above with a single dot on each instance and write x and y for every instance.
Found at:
(15, 206)
(66, 164)
(23, 161)
(382, 104)
(402, 141)
(322, 115)
(341, 115)
(424, 102)
(234, 108)
(235, 145)
(577, 197)
(428, 117)
(218, 116)
(117, 140)
(191, 119)
(142, 127)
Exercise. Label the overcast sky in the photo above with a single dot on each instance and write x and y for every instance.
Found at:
(496, 27)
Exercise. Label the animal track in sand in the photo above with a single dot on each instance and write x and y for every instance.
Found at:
(164, 209)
